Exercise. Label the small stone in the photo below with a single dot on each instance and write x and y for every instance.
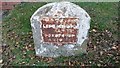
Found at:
(106, 41)
(17, 43)
(97, 42)
(1, 61)
(30, 45)
(38, 61)
(23, 62)
(33, 64)
(94, 30)
(98, 64)
(114, 48)
(82, 64)
(69, 63)
(101, 52)
(16, 36)
(106, 30)
(90, 62)
(30, 32)
(116, 61)
(95, 47)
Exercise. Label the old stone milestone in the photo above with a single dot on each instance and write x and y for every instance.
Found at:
(60, 29)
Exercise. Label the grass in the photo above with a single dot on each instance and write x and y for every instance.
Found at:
(17, 35)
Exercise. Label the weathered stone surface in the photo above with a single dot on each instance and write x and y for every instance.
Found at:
(60, 29)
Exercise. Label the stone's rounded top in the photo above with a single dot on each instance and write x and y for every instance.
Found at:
(61, 10)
